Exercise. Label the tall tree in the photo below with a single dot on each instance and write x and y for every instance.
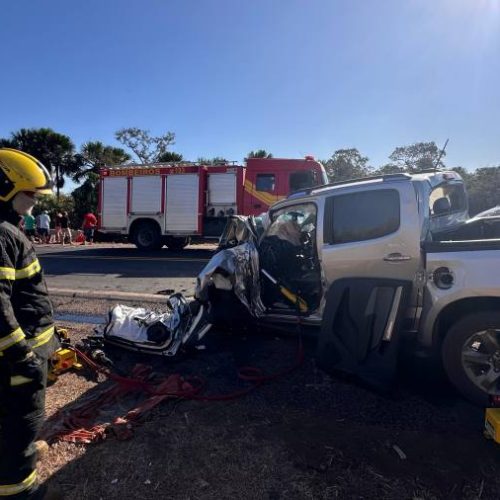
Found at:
(146, 147)
(418, 156)
(94, 155)
(259, 153)
(54, 150)
(347, 164)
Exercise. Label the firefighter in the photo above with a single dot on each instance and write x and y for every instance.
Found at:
(27, 336)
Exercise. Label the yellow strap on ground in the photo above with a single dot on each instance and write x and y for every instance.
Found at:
(28, 271)
(11, 339)
(7, 490)
(41, 338)
(7, 273)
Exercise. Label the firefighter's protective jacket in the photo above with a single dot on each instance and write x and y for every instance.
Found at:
(25, 308)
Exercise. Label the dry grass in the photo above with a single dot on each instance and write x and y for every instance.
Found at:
(68, 388)
(306, 436)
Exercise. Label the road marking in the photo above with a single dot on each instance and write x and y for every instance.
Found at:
(111, 257)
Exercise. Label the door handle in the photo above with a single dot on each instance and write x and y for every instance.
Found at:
(396, 257)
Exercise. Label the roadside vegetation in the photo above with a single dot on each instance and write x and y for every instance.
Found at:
(59, 154)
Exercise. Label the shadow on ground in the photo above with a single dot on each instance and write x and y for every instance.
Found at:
(126, 262)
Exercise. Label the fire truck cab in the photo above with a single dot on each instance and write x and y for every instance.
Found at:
(167, 204)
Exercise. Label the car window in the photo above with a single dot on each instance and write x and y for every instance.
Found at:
(289, 223)
(361, 216)
(452, 194)
(301, 180)
(265, 182)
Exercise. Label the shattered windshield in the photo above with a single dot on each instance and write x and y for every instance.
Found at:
(291, 223)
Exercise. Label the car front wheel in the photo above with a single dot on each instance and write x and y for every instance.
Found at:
(471, 356)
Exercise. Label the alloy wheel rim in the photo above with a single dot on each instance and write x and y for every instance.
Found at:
(481, 360)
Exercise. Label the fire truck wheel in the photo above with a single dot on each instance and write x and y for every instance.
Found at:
(177, 242)
(147, 236)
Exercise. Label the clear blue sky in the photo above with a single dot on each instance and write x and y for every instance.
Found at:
(294, 77)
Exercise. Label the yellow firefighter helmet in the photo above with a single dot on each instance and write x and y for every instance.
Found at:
(22, 172)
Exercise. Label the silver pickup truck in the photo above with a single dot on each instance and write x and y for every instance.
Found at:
(374, 260)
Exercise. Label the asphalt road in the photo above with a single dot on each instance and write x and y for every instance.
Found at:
(121, 267)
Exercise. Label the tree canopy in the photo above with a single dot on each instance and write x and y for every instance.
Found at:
(347, 164)
(216, 160)
(418, 156)
(483, 187)
(259, 153)
(169, 157)
(146, 147)
(95, 155)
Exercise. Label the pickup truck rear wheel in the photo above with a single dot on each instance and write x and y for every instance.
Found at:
(147, 236)
(471, 355)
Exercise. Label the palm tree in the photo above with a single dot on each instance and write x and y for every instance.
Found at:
(95, 155)
(56, 151)
(259, 153)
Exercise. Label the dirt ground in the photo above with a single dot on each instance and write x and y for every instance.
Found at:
(305, 435)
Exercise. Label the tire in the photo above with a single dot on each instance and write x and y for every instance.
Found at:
(475, 377)
(147, 236)
(177, 243)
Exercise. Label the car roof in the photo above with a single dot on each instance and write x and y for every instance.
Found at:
(433, 178)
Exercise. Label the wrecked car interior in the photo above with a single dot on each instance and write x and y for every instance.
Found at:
(261, 266)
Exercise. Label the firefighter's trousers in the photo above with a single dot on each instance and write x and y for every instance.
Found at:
(21, 417)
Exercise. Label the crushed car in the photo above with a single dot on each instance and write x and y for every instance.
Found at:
(181, 324)
(366, 262)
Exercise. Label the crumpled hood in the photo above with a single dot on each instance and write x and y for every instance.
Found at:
(235, 269)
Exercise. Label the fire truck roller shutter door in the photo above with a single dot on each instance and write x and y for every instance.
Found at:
(182, 207)
(114, 203)
(146, 194)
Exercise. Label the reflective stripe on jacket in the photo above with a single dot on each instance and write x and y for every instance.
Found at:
(7, 490)
(25, 307)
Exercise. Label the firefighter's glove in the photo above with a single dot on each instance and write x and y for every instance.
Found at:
(27, 372)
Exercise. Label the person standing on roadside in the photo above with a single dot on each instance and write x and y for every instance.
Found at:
(27, 336)
(58, 229)
(88, 226)
(44, 226)
(29, 227)
(65, 229)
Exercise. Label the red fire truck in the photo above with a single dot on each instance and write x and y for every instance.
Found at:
(166, 204)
